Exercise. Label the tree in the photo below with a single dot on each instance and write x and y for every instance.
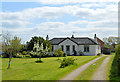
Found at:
(58, 52)
(6, 42)
(16, 45)
(39, 51)
(110, 42)
(6, 46)
(36, 39)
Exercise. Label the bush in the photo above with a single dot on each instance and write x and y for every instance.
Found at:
(66, 62)
(98, 54)
(117, 52)
(28, 56)
(80, 53)
(38, 61)
(24, 53)
(65, 55)
(18, 56)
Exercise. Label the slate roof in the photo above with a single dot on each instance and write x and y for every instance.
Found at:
(78, 40)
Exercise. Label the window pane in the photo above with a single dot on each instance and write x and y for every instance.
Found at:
(62, 47)
(73, 47)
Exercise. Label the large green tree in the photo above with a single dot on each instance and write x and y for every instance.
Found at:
(16, 45)
(10, 46)
(110, 42)
(40, 40)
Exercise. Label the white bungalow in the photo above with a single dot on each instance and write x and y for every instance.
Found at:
(71, 45)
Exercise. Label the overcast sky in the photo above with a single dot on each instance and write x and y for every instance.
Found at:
(60, 18)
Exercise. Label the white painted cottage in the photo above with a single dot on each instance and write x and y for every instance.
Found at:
(85, 45)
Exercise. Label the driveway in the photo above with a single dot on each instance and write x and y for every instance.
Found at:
(78, 71)
(101, 72)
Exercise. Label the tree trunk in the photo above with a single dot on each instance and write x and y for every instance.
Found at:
(40, 58)
(10, 58)
(9, 61)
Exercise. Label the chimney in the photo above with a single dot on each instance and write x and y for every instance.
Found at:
(47, 38)
(95, 38)
(72, 36)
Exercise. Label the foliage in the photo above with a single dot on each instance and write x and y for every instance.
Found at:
(18, 56)
(65, 55)
(40, 40)
(58, 52)
(38, 61)
(16, 45)
(28, 56)
(80, 53)
(117, 52)
(23, 47)
(6, 37)
(39, 51)
(98, 54)
(114, 69)
(66, 62)
(24, 53)
(110, 42)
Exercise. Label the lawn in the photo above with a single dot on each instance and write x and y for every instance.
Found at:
(27, 69)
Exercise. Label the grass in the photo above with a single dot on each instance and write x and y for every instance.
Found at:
(86, 75)
(109, 66)
(27, 69)
(114, 70)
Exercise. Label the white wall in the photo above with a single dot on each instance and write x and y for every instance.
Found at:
(92, 50)
(70, 43)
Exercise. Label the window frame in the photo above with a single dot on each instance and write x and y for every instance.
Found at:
(62, 47)
(86, 48)
(73, 48)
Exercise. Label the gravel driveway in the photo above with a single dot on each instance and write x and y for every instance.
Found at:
(78, 71)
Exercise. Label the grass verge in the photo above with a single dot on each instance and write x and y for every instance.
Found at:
(114, 70)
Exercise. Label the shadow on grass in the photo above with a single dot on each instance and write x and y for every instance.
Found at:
(39, 61)
(114, 70)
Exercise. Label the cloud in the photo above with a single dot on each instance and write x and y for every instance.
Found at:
(56, 2)
(100, 20)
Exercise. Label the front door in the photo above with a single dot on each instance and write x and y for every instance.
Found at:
(68, 50)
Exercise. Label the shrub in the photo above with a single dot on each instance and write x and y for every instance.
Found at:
(117, 52)
(28, 56)
(65, 55)
(24, 53)
(18, 56)
(66, 62)
(38, 61)
(98, 54)
(80, 53)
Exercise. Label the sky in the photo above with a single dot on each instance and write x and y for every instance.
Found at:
(60, 18)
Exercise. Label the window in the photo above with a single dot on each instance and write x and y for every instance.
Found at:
(62, 47)
(67, 48)
(73, 48)
(86, 48)
(52, 48)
